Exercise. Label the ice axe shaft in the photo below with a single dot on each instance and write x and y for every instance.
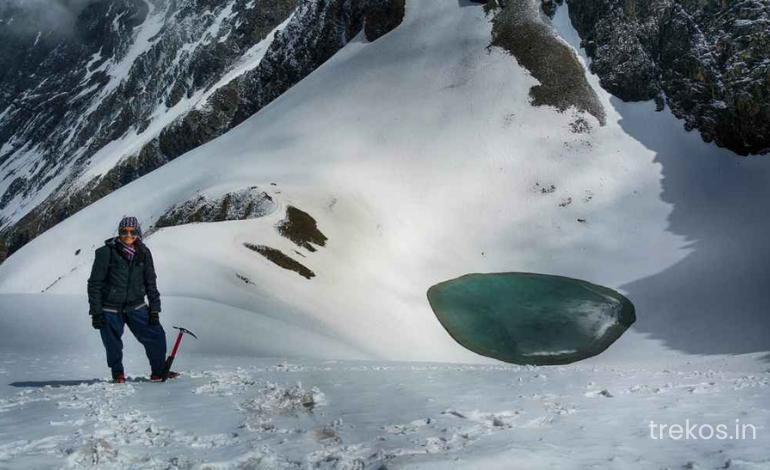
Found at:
(170, 359)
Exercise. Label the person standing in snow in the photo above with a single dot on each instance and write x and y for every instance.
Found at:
(122, 274)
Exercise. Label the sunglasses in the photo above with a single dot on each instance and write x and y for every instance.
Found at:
(127, 232)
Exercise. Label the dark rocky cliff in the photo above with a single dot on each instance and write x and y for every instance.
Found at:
(708, 59)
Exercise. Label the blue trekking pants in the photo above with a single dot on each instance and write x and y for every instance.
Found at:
(152, 337)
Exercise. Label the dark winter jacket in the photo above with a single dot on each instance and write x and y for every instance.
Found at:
(116, 282)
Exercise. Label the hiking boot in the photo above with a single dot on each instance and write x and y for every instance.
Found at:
(119, 379)
(158, 378)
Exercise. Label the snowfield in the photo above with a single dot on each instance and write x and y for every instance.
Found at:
(421, 160)
(245, 412)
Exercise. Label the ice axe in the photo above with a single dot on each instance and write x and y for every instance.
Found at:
(170, 359)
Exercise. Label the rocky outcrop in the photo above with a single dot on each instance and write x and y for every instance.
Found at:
(300, 227)
(279, 258)
(709, 59)
(519, 29)
(382, 17)
(244, 204)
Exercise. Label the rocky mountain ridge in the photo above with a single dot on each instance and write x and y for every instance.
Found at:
(100, 98)
(138, 83)
(709, 60)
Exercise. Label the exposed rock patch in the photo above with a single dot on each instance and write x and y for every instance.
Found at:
(580, 126)
(244, 204)
(301, 228)
(519, 29)
(281, 259)
(383, 17)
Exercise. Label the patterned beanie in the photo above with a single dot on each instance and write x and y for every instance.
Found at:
(128, 221)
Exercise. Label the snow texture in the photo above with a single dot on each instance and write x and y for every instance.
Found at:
(240, 412)
(421, 159)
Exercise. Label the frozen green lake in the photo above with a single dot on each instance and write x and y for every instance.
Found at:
(528, 318)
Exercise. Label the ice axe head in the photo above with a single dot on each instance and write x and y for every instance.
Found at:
(170, 359)
(185, 330)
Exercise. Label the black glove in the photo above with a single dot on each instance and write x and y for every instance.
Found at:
(154, 318)
(98, 321)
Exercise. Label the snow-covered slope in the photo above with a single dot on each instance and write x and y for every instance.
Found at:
(421, 159)
(78, 100)
(137, 83)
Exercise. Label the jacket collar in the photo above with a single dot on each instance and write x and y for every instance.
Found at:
(114, 243)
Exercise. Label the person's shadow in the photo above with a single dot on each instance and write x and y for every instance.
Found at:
(72, 383)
